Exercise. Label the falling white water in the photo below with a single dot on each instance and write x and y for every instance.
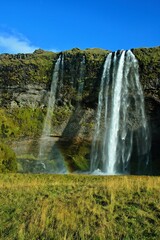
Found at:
(143, 140)
(45, 138)
(51, 100)
(95, 154)
(81, 78)
(120, 115)
(115, 117)
(61, 72)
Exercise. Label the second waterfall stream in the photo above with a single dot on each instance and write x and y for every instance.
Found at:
(58, 166)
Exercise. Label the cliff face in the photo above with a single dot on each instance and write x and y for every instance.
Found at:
(25, 81)
(149, 69)
(25, 78)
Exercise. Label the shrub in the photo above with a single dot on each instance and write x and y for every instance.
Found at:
(8, 161)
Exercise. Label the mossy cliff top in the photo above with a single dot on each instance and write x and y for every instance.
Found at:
(149, 69)
(26, 68)
(20, 70)
(38, 67)
(27, 73)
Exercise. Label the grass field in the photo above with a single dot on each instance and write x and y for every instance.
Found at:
(58, 207)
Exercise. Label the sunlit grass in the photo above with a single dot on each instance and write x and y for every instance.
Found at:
(79, 207)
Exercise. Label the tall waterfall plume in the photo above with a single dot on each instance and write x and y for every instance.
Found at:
(47, 128)
(121, 132)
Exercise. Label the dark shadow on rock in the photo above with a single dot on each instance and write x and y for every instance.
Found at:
(72, 144)
(74, 124)
(153, 112)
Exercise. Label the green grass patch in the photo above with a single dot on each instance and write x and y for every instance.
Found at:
(79, 207)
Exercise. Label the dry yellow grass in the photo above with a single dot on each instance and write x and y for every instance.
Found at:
(39, 207)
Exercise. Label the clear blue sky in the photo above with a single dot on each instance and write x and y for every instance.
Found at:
(60, 25)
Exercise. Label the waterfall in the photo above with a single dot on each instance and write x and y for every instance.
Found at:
(61, 72)
(47, 128)
(121, 122)
(81, 78)
(51, 99)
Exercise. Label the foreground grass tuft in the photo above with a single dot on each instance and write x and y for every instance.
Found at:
(73, 207)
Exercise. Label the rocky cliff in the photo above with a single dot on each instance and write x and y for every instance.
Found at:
(149, 69)
(25, 81)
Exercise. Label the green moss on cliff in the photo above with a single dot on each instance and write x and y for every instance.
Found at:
(28, 120)
(90, 75)
(21, 122)
(8, 161)
(147, 54)
(149, 69)
(60, 115)
(26, 68)
(8, 128)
